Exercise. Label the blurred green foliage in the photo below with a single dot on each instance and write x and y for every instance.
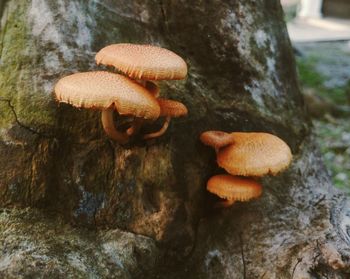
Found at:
(333, 134)
(334, 140)
(310, 77)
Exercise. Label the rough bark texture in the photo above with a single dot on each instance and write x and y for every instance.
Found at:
(121, 211)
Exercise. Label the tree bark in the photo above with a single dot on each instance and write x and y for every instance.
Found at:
(144, 205)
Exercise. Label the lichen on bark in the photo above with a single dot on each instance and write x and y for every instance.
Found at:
(34, 245)
(19, 65)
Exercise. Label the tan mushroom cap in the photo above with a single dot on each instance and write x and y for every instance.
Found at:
(171, 108)
(143, 61)
(254, 154)
(234, 188)
(216, 139)
(101, 90)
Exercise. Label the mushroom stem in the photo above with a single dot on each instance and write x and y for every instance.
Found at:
(224, 204)
(150, 86)
(160, 132)
(135, 126)
(108, 126)
(217, 139)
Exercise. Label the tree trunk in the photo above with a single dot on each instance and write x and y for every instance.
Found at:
(95, 208)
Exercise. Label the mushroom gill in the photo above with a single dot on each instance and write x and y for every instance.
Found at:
(233, 188)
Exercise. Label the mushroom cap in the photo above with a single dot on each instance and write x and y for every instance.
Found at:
(254, 154)
(143, 61)
(234, 188)
(101, 90)
(171, 108)
(216, 139)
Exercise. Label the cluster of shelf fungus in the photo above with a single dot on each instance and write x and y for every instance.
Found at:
(133, 93)
(244, 155)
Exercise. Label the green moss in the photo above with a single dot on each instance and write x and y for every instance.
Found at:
(17, 70)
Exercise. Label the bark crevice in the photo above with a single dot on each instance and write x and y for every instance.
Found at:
(20, 124)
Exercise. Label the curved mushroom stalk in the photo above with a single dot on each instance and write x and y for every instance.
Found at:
(160, 132)
(224, 203)
(108, 126)
(138, 122)
(135, 126)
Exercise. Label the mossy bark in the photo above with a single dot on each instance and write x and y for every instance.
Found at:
(57, 159)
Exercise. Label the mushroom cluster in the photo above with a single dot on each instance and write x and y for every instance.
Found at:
(132, 93)
(246, 157)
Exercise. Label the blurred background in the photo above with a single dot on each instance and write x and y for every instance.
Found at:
(320, 34)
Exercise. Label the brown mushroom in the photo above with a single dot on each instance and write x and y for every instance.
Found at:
(144, 62)
(254, 154)
(216, 139)
(108, 91)
(168, 109)
(233, 188)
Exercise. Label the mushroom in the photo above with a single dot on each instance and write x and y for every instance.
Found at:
(216, 139)
(254, 154)
(233, 188)
(168, 109)
(143, 62)
(108, 92)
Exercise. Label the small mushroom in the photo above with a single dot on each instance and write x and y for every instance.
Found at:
(254, 154)
(168, 109)
(108, 92)
(144, 62)
(233, 188)
(216, 139)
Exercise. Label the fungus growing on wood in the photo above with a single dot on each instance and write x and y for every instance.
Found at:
(108, 92)
(254, 154)
(144, 62)
(216, 139)
(168, 109)
(233, 188)
(244, 154)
